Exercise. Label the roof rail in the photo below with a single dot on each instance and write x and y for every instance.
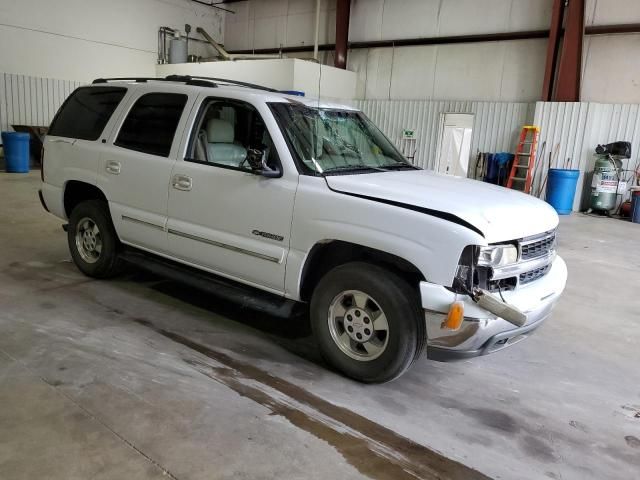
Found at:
(194, 80)
(114, 79)
(186, 79)
(234, 82)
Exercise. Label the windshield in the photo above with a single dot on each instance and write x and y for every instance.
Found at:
(326, 141)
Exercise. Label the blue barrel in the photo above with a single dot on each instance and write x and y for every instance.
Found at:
(635, 206)
(16, 151)
(561, 189)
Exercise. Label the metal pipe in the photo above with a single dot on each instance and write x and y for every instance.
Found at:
(480, 38)
(187, 30)
(343, 11)
(227, 56)
(409, 42)
(172, 31)
(613, 29)
(223, 53)
(163, 54)
(317, 31)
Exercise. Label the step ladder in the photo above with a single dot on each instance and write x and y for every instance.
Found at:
(521, 176)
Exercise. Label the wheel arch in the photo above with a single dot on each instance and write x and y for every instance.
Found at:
(76, 191)
(328, 254)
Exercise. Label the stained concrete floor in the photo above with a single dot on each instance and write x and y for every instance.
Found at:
(143, 378)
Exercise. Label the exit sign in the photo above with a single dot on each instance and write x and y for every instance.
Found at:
(408, 134)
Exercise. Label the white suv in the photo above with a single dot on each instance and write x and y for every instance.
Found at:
(275, 201)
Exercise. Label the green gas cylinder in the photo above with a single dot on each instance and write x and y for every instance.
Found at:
(604, 186)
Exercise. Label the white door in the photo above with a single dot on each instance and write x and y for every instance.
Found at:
(75, 140)
(221, 216)
(455, 144)
(136, 167)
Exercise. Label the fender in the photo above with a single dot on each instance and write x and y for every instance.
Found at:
(429, 242)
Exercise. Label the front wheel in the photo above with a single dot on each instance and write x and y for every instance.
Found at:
(93, 241)
(367, 322)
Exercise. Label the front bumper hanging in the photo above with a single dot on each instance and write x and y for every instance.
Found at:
(482, 332)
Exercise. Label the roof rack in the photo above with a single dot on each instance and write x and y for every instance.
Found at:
(186, 79)
(194, 80)
(233, 82)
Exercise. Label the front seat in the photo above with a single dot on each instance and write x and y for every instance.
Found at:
(221, 149)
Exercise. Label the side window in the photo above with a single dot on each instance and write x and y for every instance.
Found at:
(151, 123)
(86, 112)
(224, 133)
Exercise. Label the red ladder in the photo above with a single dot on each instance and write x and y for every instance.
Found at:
(524, 159)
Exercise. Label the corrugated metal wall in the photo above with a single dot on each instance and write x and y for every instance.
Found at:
(495, 129)
(573, 130)
(28, 100)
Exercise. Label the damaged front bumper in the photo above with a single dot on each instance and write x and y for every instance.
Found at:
(482, 332)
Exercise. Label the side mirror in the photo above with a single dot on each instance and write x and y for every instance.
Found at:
(258, 164)
(254, 159)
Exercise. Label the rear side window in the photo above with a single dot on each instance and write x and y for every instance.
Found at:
(152, 123)
(86, 112)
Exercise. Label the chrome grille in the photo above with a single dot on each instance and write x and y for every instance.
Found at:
(534, 275)
(539, 246)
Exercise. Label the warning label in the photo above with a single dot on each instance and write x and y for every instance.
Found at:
(605, 183)
(607, 186)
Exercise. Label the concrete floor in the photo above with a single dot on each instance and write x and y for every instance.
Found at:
(143, 378)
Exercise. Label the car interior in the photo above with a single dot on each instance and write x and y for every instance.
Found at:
(227, 131)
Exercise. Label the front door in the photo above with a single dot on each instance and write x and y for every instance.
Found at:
(221, 216)
(136, 166)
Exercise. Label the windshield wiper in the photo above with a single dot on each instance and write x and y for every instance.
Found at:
(352, 168)
(401, 166)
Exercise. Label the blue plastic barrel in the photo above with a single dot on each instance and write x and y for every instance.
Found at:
(16, 151)
(635, 206)
(561, 189)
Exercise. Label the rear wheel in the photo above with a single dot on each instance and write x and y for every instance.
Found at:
(367, 322)
(92, 240)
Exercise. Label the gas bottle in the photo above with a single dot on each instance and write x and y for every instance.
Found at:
(604, 186)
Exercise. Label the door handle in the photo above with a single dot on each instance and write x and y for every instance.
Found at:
(113, 167)
(62, 140)
(182, 182)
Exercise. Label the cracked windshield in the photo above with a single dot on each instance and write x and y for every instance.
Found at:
(328, 141)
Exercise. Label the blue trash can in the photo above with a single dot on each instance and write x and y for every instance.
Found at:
(16, 151)
(635, 206)
(561, 189)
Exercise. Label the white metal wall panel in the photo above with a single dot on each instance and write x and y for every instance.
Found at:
(495, 129)
(573, 130)
(26, 100)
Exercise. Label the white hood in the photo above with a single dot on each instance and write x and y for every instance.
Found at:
(499, 213)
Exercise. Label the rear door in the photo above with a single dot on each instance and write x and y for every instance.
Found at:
(72, 146)
(136, 166)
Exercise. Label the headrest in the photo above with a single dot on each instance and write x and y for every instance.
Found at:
(219, 131)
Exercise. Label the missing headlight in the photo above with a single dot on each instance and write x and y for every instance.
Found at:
(474, 272)
(466, 276)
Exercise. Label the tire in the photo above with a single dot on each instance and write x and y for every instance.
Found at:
(388, 353)
(102, 261)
